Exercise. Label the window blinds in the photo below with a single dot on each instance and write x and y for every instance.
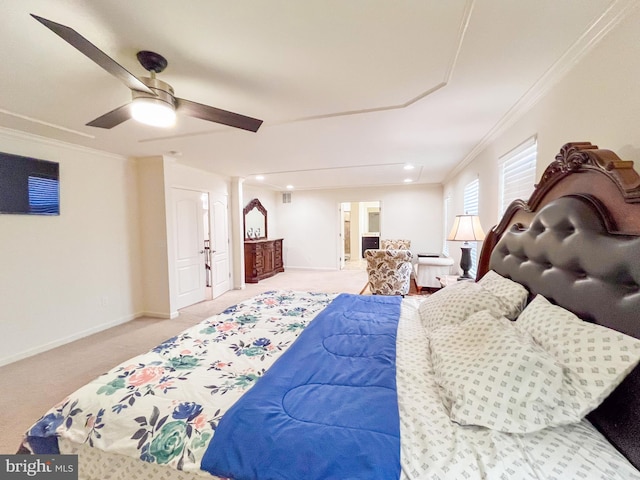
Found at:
(471, 191)
(518, 173)
(471, 198)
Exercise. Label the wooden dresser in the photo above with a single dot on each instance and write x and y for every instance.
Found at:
(262, 259)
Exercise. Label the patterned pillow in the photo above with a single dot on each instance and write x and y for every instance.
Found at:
(596, 359)
(495, 376)
(455, 303)
(548, 368)
(512, 295)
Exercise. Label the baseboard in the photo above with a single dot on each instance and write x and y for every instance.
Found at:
(63, 341)
(325, 269)
(166, 316)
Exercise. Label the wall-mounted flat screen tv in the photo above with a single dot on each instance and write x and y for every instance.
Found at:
(29, 186)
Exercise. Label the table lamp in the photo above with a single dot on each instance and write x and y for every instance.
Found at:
(466, 228)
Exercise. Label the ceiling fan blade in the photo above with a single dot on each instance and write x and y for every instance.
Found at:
(113, 118)
(94, 53)
(217, 115)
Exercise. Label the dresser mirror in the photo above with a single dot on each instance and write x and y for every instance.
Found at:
(255, 220)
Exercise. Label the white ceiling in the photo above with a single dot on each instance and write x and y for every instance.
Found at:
(349, 91)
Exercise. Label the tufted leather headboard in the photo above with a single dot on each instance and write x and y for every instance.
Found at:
(577, 242)
(567, 255)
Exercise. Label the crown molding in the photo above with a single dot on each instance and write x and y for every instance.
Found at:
(595, 32)
(31, 137)
(46, 124)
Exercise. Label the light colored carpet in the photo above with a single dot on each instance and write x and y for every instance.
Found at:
(33, 385)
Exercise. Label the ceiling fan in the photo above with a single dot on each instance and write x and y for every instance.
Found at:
(149, 94)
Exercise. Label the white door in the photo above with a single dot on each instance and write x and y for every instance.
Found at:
(220, 274)
(189, 248)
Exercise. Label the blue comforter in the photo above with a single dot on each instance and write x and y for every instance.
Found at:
(327, 409)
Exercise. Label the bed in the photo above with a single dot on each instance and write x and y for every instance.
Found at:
(530, 372)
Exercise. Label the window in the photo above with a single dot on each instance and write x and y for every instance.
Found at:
(446, 224)
(471, 191)
(517, 173)
(471, 195)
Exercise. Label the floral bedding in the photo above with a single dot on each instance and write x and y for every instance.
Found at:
(163, 407)
(155, 414)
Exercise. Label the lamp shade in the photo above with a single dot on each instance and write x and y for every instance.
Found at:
(466, 228)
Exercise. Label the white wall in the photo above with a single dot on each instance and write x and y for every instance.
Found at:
(153, 235)
(310, 224)
(597, 101)
(104, 261)
(64, 277)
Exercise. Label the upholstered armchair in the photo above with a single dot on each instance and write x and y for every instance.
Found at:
(389, 271)
(395, 244)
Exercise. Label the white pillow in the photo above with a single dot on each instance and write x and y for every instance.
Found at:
(512, 295)
(495, 376)
(596, 359)
(548, 368)
(455, 303)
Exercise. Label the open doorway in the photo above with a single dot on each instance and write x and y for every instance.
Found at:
(360, 226)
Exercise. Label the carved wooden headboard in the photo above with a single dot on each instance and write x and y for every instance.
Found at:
(580, 169)
(577, 242)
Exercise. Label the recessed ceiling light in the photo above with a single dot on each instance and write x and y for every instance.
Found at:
(408, 180)
(259, 177)
(289, 187)
(409, 167)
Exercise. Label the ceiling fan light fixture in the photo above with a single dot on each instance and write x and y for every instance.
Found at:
(153, 111)
(149, 87)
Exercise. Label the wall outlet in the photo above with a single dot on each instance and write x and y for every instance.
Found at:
(104, 301)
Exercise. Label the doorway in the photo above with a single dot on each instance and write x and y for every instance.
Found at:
(360, 226)
(191, 211)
